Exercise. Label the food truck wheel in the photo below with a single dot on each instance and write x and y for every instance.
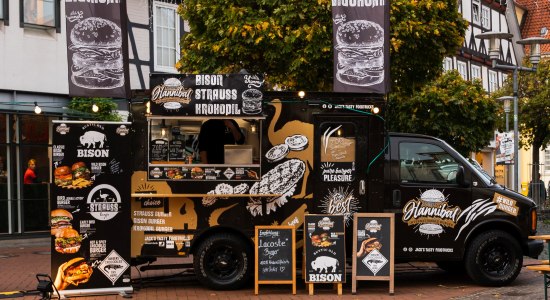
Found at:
(223, 261)
(494, 258)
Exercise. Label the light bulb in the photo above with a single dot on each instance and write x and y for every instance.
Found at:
(37, 109)
(301, 94)
(376, 110)
(95, 108)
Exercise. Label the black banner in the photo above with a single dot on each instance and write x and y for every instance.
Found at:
(361, 31)
(90, 199)
(206, 95)
(97, 50)
(325, 248)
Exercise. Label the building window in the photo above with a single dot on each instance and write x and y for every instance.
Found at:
(504, 77)
(2, 9)
(447, 64)
(547, 161)
(493, 82)
(476, 72)
(40, 13)
(475, 11)
(166, 37)
(486, 17)
(461, 66)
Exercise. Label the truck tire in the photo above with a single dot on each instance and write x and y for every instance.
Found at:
(223, 262)
(494, 258)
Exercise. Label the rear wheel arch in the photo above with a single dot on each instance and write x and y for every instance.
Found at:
(203, 235)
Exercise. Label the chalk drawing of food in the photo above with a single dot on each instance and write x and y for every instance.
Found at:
(96, 44)
(360, 47)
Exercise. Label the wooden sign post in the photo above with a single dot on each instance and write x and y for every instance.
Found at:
(324, 250)
(275, 261)
(373, 248)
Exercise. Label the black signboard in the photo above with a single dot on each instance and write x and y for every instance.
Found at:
(361, 38)
(325, 248)
(275, 255)
(177, 150)
(203, 173)
(90, 197)
(373, 248)
(159, 150)
(97, 50)
(206, 94)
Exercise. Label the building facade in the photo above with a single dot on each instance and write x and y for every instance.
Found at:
(34, 72)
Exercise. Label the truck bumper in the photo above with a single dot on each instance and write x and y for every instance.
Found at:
(534, 248)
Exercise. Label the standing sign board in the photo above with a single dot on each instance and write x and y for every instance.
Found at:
(373, 248)
(325, 249)
(275, 256)
(90, 207)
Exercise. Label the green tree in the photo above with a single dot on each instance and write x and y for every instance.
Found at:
(457, 111)
(291, 41)
(106, 112)
(534, 109)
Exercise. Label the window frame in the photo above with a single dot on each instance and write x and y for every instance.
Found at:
(447, 64)
(478, 72)
(412, 166)
(476, 14)
(492, 85)
(177, 37)
(462, 66)
(485, 17)
(56, 12)
(5, 8)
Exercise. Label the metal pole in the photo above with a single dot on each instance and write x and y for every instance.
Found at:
(516, 133)
(507, 167)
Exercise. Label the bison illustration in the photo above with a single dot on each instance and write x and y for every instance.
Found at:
(323, 263)
(90, 138)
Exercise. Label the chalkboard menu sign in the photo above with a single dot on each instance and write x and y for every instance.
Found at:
(325, 248)
(373, 248)
(177, 150)
(158, 150)
(275, 256)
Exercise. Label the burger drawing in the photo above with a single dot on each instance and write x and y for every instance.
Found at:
(63, 176)
(73, 272)
(360, 47)
(252, 101)
(97, 54)
(59, 220)
(79, 170)
(67, 240)
(432, 198)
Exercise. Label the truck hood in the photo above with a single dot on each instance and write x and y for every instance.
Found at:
(514, 195)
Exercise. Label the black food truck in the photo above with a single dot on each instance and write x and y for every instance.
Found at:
(307, 153)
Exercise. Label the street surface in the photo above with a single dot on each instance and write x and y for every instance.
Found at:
(19, 265)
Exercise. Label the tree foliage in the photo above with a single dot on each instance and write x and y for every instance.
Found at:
(291, 41)
(107, 108)
(455, 110)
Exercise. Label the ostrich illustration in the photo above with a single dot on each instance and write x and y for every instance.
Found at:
(289, 129)
(103, 196)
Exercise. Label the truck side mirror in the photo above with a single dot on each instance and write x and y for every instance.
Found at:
(460, 177)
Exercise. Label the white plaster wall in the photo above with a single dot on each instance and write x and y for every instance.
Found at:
(33, 60)
(138, 12)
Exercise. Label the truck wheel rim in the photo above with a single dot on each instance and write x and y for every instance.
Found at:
(222, 262)
(496, 259)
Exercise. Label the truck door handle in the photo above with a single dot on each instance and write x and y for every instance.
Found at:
(396, 198)
(362, 187)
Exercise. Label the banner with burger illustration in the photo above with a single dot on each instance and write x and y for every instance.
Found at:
(97, 48)
(361, 46)
(90, 197)
(206, 94)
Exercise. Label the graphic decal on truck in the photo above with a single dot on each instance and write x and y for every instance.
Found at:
(480, 207)
(340, 201)
(430, 213)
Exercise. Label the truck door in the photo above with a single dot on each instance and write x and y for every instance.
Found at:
(340, 173)
(428, 199)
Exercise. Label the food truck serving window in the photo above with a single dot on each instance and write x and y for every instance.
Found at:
(204, 148)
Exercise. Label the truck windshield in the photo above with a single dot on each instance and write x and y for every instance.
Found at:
(488, 179)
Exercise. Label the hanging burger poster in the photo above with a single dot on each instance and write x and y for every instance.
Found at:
(325, 249)
(206, 94)
(97, 48)
(361, 46)
(90, 196)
